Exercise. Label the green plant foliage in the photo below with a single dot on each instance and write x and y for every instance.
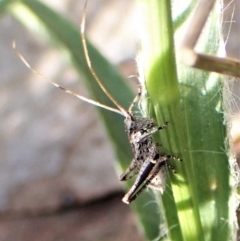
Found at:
(197, 204)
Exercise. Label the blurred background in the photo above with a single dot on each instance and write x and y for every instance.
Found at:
(57, 166)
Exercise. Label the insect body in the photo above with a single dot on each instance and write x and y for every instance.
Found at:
(148, 163)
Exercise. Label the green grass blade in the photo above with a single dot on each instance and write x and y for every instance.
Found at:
(197, 204)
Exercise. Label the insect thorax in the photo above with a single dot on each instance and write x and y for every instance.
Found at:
(142, 143)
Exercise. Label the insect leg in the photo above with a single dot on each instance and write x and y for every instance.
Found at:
(169, 165)
(136, 99)
(153, 130)
(171, 157)
(147, 172)
(142, 176)
(128, 173)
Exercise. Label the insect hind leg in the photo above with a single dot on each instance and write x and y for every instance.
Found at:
(147, 173)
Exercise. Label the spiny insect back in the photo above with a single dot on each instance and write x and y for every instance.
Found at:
(148, 164)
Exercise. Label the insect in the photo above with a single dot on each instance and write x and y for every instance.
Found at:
(148, 164)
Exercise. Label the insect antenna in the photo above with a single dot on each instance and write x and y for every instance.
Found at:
(85, 50)
(90, 101)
